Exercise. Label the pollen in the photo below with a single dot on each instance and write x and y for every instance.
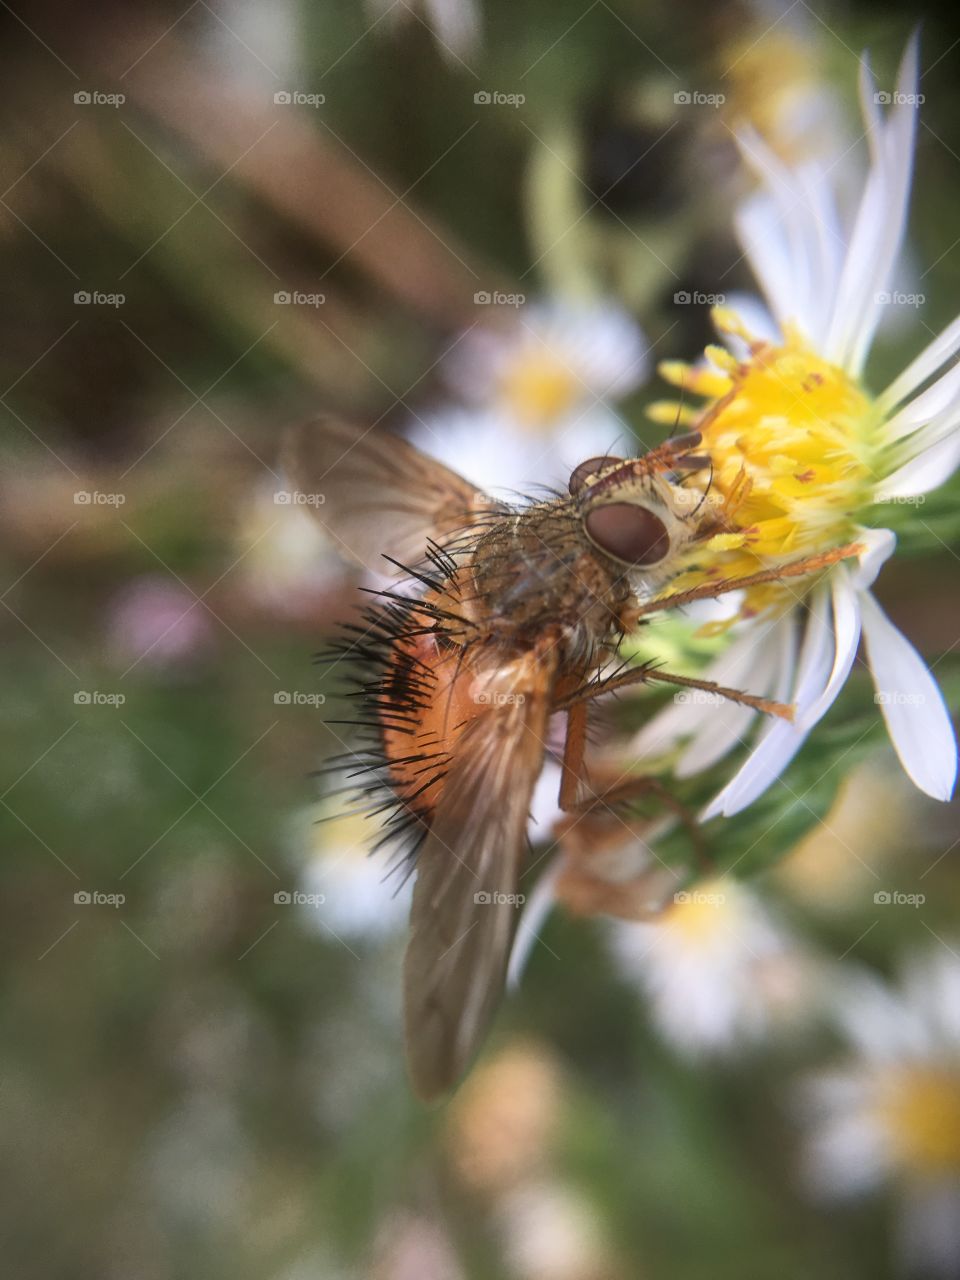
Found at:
(794, 444)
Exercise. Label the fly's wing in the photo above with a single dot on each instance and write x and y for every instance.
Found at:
(464, 909)
(374, 493)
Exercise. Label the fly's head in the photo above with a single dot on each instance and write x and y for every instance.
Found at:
(637, 516)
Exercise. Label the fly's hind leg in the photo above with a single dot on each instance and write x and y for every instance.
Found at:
(578, 798)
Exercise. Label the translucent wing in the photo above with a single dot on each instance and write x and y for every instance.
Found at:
(464, 904)
(374, 493)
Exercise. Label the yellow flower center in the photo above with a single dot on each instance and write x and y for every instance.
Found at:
(920, 1111)
(793, 442)
(539, 389)
(703, 913)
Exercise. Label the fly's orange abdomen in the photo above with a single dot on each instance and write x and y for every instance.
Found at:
(426, 701)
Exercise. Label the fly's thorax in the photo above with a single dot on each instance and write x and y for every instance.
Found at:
(537, 568)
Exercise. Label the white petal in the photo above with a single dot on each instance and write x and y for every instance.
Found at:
(846, 631)
(726, 726)
(924, 410)
(686, 715)
(780, 741)
(928, 470)
(757, 320)
(923, 367)
(532, 919)
(879, 544)
(880, 223)
(761, 235)
(917, 717)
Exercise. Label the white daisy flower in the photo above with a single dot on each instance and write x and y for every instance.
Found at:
(538, 390)
(802, 452)
(890, 1115)
(717, 970)
(287, 564)
(346, 892)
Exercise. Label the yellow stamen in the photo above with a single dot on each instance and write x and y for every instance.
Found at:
(792, 440)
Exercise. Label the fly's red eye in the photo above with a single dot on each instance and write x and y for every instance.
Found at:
(582, 473)
(628, 533)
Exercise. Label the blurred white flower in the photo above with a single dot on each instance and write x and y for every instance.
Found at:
(719, 972)
(287, 564)
(349, 892)
(540, 388)
(890, 1114)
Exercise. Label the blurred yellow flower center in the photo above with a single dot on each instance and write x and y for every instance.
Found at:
(341, 835)
(920, 1112)
(702, 913)
(539, 389)
(793, 441)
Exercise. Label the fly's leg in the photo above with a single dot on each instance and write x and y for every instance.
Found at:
(573, 781)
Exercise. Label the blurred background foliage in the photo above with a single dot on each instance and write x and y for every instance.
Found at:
(203, 1081)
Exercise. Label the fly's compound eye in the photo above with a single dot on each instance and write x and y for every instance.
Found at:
(582, 473)
(628, 533)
